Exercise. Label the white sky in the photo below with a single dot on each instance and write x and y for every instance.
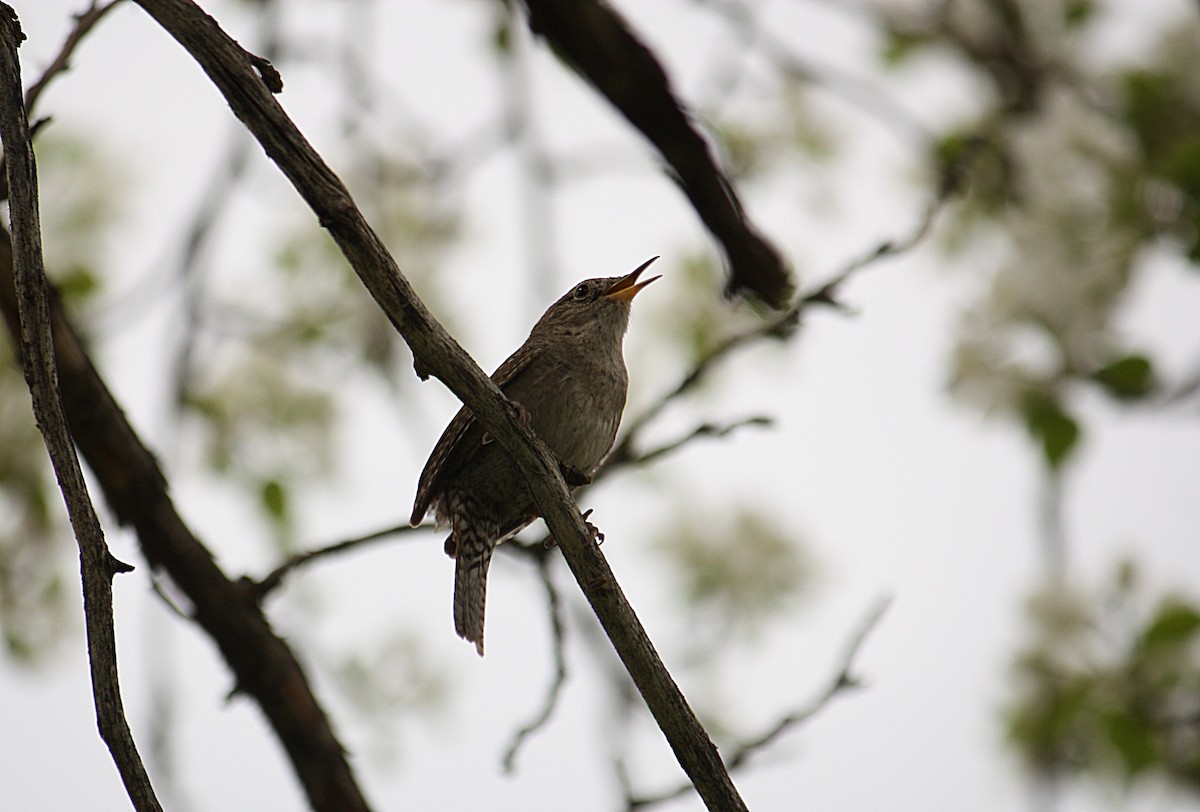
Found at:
(894, 489)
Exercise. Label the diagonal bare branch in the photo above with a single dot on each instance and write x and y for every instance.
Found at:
(274, 578)
(625, 455)
(843, 679)
(136, 491)
(602, 47)
(784, 325)
(30, 291)
(85, 21)
(243, 82)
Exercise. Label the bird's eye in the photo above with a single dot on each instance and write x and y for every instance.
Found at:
(580, 293)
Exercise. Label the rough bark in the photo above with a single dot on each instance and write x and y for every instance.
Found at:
(28, 298)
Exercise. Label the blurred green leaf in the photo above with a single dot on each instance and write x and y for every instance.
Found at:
(1076, 13)
(1181, 165)
(1174, 624)
(274, 497)
(1052, 427)
(1127, 378)
(78, 282)
(501, 39)
(898, 46)
(1134, 741)
(1150, 100)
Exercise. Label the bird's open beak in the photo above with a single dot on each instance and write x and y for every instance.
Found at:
(627, 286)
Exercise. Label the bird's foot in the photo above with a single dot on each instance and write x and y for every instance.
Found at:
(451, 547)
(574, 477)
(597, 536)
(522, 415)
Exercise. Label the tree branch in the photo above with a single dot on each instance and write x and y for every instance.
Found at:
(782, 326)
(600, 45)
(842, 680)
(271, 581)
(557, 631)
(84, 22)
(264, 666)
(232, 70)
(97, 566)
(625, 455)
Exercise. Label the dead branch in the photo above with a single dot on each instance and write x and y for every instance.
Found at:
(625, 455)
(784, 325)
(36, 342)
(843, 679)
(85, 21)
(606, 52)
(268, 583)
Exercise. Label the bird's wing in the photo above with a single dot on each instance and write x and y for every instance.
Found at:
(462, 439)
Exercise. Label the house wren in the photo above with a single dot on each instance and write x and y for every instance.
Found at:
(568, 380)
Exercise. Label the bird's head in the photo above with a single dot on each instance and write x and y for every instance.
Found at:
(595, 304)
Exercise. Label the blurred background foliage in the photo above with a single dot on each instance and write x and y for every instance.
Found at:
(1109, 684)
(1080, 168)
(36, 550)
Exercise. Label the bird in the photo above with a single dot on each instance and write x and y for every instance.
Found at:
(568, 381)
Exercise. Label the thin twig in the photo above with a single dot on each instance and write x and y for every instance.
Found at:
(85, 21)
(843, 679)
(275, 577)
(779, 327)
(717, 430)
(782, 327)
(97, 565)
(557, 634)
(826, 292)
(157, 587)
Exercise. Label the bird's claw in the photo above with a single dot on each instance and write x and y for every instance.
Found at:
(597, 536)
(574, 477)
(521, 413)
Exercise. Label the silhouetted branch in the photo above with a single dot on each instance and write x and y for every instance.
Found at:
(36, 346)
(779, 327)
(436, 353)
(136, 491)
(602, 47)
(85, 21)
(554, 691)
(737, 756)
(625, 455)
(784, 325)
(275, 577)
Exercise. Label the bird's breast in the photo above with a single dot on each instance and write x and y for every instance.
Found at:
(579, 415)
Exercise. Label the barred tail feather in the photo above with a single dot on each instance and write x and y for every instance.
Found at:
(474, 555)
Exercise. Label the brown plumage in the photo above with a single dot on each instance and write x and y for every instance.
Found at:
(569, 381)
